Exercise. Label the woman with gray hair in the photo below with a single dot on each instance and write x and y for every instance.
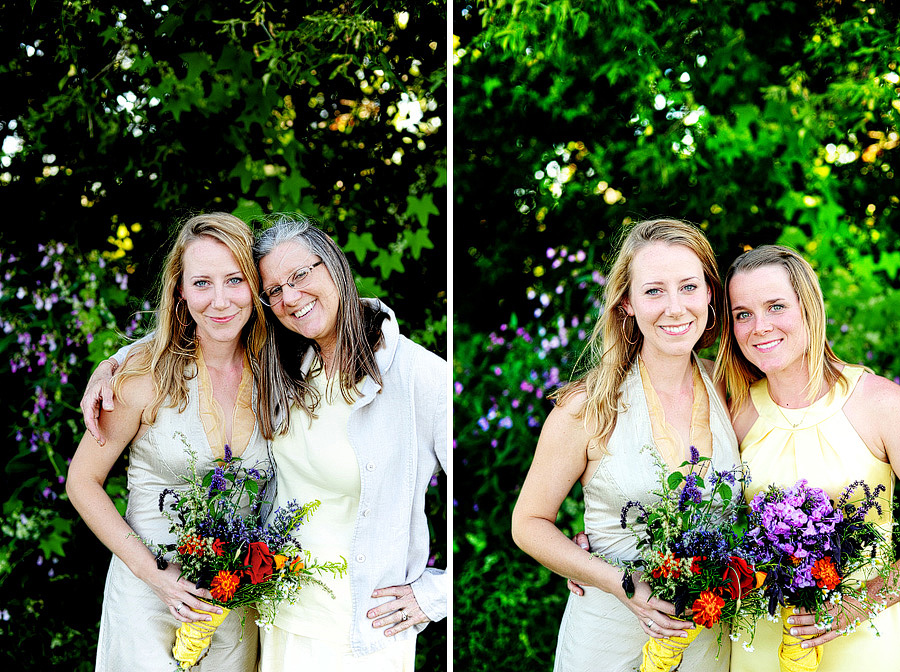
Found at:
(359, 415)
(360, 422)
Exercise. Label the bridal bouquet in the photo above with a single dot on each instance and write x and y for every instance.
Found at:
(691, 554)
(816, 553)
(223, 545)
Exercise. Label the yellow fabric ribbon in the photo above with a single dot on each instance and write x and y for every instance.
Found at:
(664, 655)
(192, 638)
(791, 657)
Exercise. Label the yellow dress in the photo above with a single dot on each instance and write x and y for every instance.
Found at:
(826, 450)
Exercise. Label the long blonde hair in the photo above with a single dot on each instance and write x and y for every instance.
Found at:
(172, 350)
(822, 363)
(615, 341)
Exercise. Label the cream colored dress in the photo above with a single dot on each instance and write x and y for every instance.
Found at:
(826, 450)
(137, 631)
(316, 461)
(598, 632)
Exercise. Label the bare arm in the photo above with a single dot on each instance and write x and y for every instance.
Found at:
(85, 486)
(559, 460)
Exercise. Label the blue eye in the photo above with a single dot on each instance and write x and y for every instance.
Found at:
(689, 288)
(236, 280)
(654, 291)
(742, 315)
(776, 307)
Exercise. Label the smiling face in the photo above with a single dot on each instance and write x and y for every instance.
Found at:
(217, 294)
(768, 319)
(310, 309)
(669, 298)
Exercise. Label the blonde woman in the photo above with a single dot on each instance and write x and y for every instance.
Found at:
(644, 385)
(194, 376)
(801, 412)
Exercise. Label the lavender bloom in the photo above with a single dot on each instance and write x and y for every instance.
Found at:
(690, 492)
(695, 455)
(227, 453)
(218, 481)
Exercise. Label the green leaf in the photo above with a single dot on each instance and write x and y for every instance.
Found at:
(52, 543)
(421, 208)
(248, 210)
(675, 479)
(388, 262)
(197, 62)
(725, 493)
(360, 245)
(417, 241)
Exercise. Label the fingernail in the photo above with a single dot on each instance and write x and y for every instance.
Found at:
(804, 645)
(375, 594)
(791, 620)
(794, 631)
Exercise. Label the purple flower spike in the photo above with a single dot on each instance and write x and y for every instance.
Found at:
(218, 481)
(227, 455)
(695, 455)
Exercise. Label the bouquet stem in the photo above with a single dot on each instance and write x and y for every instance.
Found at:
(791, 657)
(192, 638)
(664, 655)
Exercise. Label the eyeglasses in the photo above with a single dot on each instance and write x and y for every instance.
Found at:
(275, 295)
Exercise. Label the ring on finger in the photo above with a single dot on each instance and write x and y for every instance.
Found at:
(178, 608)
(404, 617)
(650, 623)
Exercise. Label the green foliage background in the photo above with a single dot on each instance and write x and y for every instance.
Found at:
(120, 120)
(759, 121)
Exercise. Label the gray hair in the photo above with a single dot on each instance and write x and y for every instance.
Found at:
(358, 333)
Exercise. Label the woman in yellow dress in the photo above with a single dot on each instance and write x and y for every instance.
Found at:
(800, 412)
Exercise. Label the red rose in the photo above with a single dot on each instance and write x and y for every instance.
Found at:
(740, 577)
(259, 562)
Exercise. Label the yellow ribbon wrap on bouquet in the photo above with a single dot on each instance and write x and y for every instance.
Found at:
(664, 655)
(791, 657)
(192, 638)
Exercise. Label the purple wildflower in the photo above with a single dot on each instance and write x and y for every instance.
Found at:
(218, 481)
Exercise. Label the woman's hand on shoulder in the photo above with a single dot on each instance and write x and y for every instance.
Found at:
(98, 395)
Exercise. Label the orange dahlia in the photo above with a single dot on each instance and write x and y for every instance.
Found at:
(224, 584)
(826, 574)
(708, 608)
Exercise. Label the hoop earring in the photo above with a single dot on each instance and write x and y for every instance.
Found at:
(178, 317)
(713, 325)
(625, 335)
